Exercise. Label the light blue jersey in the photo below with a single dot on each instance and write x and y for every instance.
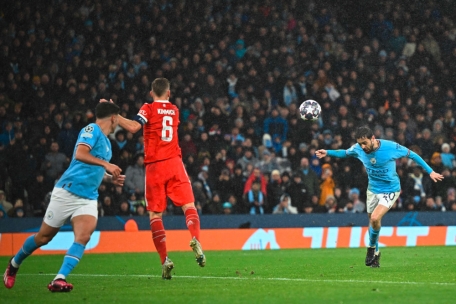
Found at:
(83, 179)
(381, 164)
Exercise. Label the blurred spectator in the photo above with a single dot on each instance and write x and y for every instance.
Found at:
(141, 210)
(284, 206)
(18, 209)
(67, 138)
(309, 178)
(227, 208)
(256, 176)
(134, 176)
(37, 194)
(330, 204)
(239, 181)
(108, 208)
(6, 206)
(274, 188)
(200, 196)
(55, 163)
(327, 185)
(247, 158)
(418, 186)
(358, 205)
(298, 192)
(255, 198)
(276, 126)
(448, 158)
(213, 205)
(394, 71)
(124, 209)
(450, 200)
(224, 184)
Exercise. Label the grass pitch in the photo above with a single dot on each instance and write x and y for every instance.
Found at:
(407, 275)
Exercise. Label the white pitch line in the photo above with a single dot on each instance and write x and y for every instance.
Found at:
(250, 278)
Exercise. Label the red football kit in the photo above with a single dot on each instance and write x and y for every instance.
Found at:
(165, 172)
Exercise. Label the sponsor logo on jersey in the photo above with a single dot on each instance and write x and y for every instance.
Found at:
(88, 129)
(166, 112)
(142, 112)
(88, 135)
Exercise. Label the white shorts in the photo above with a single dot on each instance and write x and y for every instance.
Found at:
(64, 204)
(384, 199)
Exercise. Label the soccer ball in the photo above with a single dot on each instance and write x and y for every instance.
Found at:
(310, 110)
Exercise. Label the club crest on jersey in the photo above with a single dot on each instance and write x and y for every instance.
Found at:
(373, 161)
(88, 129)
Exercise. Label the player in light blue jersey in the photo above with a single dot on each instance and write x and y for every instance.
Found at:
(379, 158)
(75, 196)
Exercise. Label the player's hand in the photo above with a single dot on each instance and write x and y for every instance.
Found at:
(436, 176)
(119, 180)
(321, 153)
(105, 100)
(113, 170)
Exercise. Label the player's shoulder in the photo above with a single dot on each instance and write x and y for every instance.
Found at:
(390, 145)
(90, 130)
(354, 149)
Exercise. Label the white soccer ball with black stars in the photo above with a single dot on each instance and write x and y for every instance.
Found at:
(310, 110)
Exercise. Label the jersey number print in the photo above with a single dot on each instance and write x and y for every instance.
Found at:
(167, 130)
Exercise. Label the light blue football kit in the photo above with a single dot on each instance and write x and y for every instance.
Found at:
(384, 185)
(381, 164)
(75, 193)
(83, 179)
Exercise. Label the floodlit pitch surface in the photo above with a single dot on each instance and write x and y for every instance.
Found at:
(407, 275)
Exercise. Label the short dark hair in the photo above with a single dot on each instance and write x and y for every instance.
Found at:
(106, 109)
(363, 131)
(160, 86)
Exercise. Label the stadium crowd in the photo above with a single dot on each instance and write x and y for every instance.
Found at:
(239, 71)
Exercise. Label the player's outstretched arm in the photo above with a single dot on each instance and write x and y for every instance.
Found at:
(83, 155)
(332, 153)
(321, 153)
(131, 126)
(436, 176)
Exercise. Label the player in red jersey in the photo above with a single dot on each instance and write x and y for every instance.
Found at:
(165, 172)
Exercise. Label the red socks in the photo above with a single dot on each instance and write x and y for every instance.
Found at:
(193, 222)
(159, 237)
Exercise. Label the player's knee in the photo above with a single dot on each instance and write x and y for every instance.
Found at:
(375, 220)
(82, 238)
(42, 240)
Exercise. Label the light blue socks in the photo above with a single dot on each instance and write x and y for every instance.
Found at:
(71, 259)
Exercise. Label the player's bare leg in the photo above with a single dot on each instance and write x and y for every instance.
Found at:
(44, 235)
(193, 224)
(373, 253)
(83, 227)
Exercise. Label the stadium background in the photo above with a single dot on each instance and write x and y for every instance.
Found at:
(234, 67)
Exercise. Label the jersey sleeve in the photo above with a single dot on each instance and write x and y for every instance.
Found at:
(88, 136)
(397, 151)
(343, 153)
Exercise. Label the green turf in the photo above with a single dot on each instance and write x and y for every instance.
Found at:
(407, 275)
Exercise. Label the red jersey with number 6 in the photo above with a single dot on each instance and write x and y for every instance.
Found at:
(160, 131)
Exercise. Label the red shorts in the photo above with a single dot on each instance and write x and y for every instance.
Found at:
(167, 178)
